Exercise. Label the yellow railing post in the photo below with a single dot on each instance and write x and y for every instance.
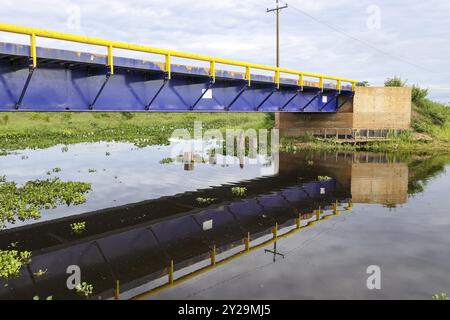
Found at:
(321, 83)
(335, 208)
(213, 255)
(33, 51)
(298, 222)
(168, 68)
(247, 242)
(339, 85)
(248, 75)
(111, 59)
(277, 79)
(117, 290)
(212, 71)
(171, 272)
(275, 231)
(301, 82)
(318, 212)
(350, 205)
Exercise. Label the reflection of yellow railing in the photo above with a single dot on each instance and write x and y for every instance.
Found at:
(172, 282)
(111, 45)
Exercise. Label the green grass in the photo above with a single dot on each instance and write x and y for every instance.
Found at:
(42, 130)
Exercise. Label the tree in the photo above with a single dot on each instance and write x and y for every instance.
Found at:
(363, 84)
(395, 82)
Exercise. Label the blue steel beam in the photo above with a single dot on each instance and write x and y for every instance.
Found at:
(76, 81)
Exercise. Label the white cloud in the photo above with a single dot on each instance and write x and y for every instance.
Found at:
(413, 34)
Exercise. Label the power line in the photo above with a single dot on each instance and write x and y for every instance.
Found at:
(354, 38)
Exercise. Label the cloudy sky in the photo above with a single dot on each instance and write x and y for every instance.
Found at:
(366, 39)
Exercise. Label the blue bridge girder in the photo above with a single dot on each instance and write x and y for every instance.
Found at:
(76, 81)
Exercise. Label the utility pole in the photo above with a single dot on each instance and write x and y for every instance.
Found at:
(277, 10)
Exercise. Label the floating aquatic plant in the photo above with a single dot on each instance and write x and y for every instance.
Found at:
(205, 201)
(442, 296)
(40, 273)
(25, 202)
(48, 298)
(78, 227)
(11, 261)
(166, 161)
(239, 191)
(84, 289)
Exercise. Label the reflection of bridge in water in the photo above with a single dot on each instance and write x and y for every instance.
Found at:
(172, 239)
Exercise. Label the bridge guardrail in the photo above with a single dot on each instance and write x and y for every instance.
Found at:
(111, 45)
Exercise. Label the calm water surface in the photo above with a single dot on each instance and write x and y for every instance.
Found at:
(141, 215)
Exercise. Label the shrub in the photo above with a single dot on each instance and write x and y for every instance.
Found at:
(418, 94)
(395, 82)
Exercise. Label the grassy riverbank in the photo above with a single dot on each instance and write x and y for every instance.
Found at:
(41, 130)
(430, 132)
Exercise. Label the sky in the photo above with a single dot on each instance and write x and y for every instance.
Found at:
(367, 40)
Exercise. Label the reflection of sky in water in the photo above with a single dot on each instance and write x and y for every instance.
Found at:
(127, 175)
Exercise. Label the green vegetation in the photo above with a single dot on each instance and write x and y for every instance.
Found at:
(166, 161)
(43, 130)
(430, 131)
(442, 296)
(40, 273)
(84, 289)
(424, 170)
(205, 201)
(48, 298)
(25, 202)
(11, 261)
(239, 191)
(78, 227)
(323, 178)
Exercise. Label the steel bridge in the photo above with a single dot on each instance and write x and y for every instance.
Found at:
(35, 78)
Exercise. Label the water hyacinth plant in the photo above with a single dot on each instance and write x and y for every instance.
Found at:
(442, 296)
(166, 161)
(78, 227)
(205, 201)
(239, 191)
(11, 261)
(84, 289)
(26, 202)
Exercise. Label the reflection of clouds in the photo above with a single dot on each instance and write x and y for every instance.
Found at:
(139, 174)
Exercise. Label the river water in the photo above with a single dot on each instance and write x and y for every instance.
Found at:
(307, 226)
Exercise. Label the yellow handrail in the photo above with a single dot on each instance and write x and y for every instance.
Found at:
(110, 45)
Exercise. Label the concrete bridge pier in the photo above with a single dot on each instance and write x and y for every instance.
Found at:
(372, 113)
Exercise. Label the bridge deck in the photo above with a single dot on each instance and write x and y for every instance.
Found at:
(42, 79)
